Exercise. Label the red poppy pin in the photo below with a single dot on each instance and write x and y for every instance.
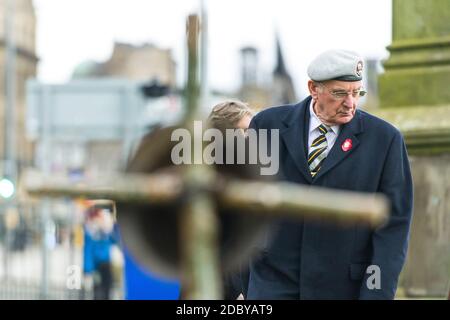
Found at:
(347, 145)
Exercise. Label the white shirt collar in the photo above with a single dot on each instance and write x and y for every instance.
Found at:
(315, 122)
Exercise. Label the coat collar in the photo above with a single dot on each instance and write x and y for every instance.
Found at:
(295, 137)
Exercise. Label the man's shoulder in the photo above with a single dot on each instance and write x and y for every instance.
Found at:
(373, 123)
(273, 115)
(275, 111)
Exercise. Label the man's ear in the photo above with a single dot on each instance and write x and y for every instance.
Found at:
(313, 89)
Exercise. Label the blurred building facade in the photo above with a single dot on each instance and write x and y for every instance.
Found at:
(146, 64)
(22, 232)
(283, 91)
(252, 90)
(24, 35)
(279, 90)
(139, 63)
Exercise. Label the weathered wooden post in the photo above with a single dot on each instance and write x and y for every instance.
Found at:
(198, 224)
(415, 96)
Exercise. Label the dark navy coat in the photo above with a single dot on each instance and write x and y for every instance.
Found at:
(319, 260)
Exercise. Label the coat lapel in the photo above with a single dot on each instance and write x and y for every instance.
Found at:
(337, 154)
(294, 136)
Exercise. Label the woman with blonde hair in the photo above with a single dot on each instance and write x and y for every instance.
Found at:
(231, 114)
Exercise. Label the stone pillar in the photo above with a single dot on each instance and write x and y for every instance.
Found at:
(415, 97)
(418, 69)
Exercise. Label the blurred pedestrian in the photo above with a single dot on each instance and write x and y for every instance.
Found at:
(99, 238)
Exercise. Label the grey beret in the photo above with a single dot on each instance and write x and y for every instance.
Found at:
(340, 65)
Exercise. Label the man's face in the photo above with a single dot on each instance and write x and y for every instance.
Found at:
(335, 101)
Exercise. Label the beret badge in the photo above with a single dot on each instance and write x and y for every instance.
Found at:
(359, 68)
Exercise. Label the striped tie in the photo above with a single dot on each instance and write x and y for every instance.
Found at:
(318, 151)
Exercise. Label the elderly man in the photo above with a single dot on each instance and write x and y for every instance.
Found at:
(326, 141)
